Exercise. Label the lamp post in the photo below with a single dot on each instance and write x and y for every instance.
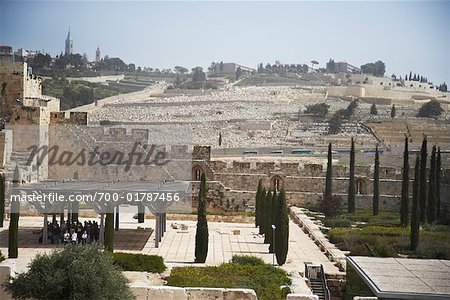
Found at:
(273, 241)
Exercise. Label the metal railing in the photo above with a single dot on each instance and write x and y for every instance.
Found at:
(324, 283)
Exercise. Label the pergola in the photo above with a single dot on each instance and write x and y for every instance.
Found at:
(118, 193)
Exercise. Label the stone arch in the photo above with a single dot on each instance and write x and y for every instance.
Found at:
(361, 186)
(277, 183)
(197, 172)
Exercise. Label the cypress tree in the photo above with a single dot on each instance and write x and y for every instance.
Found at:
(262, 209)
(404, 204)
(258, 203)
(393, 111)
(109, 232)
(267, 217)
(13, 232)
(141, 213)
(273, 219)
(282, 229)
(431, 204)
(376, 182)
(351, 185)
(201, 235)
(415, 213)
(423, 180)
(438, 183)
(373, 109)
(2, 199)
(329, 177)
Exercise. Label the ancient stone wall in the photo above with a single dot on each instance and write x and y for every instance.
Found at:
(233, 184)
(12, 86)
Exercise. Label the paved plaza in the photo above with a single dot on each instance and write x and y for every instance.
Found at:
(178, 244)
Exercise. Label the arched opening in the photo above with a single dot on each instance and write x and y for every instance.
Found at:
(277, 183)
(361, 186)
(197, 172)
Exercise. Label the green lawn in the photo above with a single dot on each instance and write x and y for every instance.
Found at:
(265, 279)
(361, 233)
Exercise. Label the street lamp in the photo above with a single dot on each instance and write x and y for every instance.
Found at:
(273, 243)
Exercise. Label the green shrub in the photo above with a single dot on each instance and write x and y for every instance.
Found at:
(265, 279)
(247, 260)
(76, 272)
(337, 223)
(139, 262)
(2, 258)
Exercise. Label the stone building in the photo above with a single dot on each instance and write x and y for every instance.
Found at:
(21, 93)
(97, 55)
(69, 45)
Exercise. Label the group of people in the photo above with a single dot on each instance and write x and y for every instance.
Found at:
(72, 232)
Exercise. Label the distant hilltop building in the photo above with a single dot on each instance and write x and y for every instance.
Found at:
(221, 68)
(341, 67)
(69, 44)
(6, 53)
(97, 55)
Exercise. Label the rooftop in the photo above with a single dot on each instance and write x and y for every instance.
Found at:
(404, 278)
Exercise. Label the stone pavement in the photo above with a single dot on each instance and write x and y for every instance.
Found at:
(177, 247)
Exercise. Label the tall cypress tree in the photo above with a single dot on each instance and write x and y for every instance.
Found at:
(393, 112)
(13, 232)
(282, 229)
(376, 183)
(2, 198)
(109, 232)
(404, 204)
(438, 183)
(415, 213)
(267, 217)
(273, 219)
(262, 209)
(258, 203)
(431, 204)
(423, 180)
(201, 235)
(351, 184)
(329, 177)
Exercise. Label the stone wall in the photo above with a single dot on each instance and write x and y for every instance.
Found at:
(235, 183)
(339, 91)
(146, 292)
(11, 84)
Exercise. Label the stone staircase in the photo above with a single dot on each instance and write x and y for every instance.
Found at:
(317, 288)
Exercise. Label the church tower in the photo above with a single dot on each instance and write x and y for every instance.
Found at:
(97, 55)
(69, 44)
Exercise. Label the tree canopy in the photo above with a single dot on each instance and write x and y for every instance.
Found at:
(430, 109)
(376, 69)
(76, 272)
(319, 109)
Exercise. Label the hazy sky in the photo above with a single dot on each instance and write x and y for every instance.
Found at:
(405, 35)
